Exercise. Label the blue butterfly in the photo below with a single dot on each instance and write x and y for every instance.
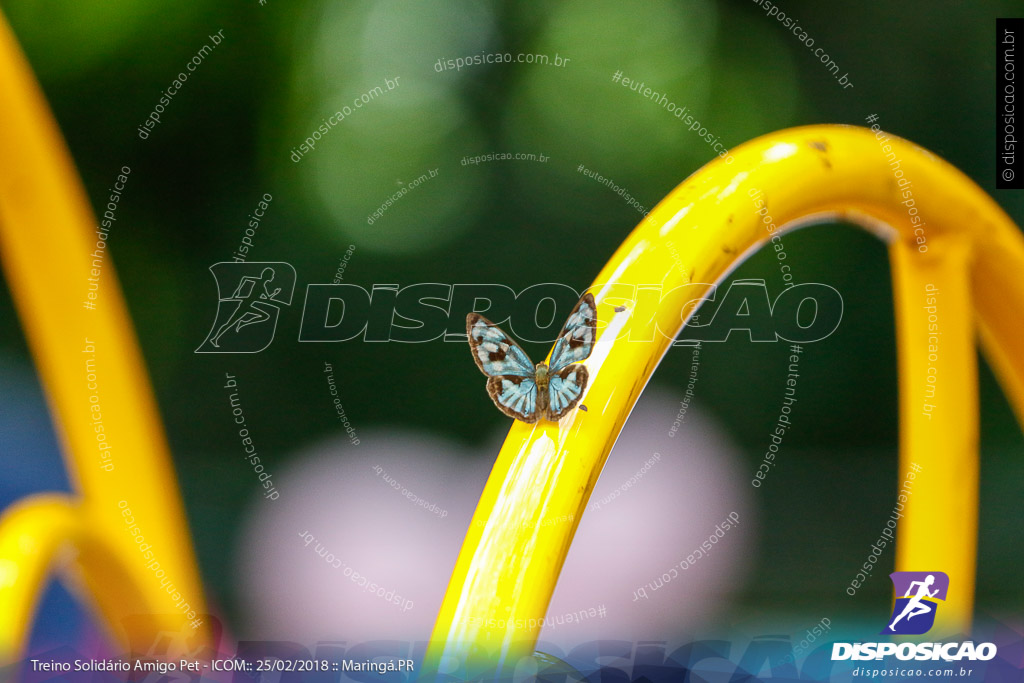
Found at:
(527, 392)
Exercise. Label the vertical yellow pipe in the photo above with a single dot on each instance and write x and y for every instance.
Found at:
(47, 233)
(938, 406)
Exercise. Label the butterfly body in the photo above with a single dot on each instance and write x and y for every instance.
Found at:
(543, 387)
(529, 392)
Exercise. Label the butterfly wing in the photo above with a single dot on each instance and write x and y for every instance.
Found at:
(576, 340)
(511, 376)
(565, 388)
(515, 396)
(494, 351)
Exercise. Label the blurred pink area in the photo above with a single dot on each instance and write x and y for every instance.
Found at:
(362, 542)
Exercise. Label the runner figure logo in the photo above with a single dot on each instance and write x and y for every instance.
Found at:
(917, 594)
(247, 317)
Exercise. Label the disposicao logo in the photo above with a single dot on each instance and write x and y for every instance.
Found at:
(257, 293)
(918, 597)
(917, 594)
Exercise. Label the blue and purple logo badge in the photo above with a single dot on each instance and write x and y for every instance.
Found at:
(917, 600)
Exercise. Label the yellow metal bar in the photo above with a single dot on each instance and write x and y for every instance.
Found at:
(33, 535)
(510, 560)
(47, 236)
(938, 420)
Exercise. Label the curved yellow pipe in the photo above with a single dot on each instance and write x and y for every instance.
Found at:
(47, 236)
(46, 534)
(33, 534)
(513, 552)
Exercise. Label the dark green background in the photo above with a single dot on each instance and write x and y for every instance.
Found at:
(925, 68)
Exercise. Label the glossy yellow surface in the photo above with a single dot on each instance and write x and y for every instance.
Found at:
(47, 232)
(513, 553)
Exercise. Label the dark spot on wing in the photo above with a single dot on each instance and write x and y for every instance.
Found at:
(497, 355)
